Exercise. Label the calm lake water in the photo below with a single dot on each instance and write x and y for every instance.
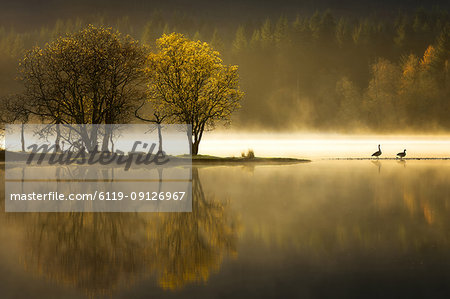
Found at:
(321, 229)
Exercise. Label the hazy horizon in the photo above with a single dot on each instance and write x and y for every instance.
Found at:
(347, 67)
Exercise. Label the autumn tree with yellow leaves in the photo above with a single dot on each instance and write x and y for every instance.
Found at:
(189, 83)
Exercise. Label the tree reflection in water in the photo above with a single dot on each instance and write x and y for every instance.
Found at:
(100, 252)
(191, 245)
(339, 218)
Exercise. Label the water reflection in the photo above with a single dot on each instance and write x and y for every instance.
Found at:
(377, 164)
(402, 162)
(191, 245)
(100, 252)
(90, 251)
(322, 229)
(334, 206)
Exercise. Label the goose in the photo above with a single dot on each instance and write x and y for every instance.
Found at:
(401, 155)
(377, 153)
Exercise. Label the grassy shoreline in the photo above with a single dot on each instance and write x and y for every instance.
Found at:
(206, 159)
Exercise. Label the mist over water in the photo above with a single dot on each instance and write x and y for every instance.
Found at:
(324, 146)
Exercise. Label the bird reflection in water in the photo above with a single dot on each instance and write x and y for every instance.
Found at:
(402, 162)
(377, 163)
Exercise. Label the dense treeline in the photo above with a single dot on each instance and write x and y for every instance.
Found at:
(318, 71)
(329, 73)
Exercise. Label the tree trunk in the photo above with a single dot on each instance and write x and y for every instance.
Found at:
(22, 137)
(195, 146)
(94, 142)
(85, 139)
(112, 143)
(58, 138)
(106, 138)
(189, 137)
(160, 138)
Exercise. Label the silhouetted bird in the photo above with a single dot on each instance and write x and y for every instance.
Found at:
(377, 153)
(402, 154)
